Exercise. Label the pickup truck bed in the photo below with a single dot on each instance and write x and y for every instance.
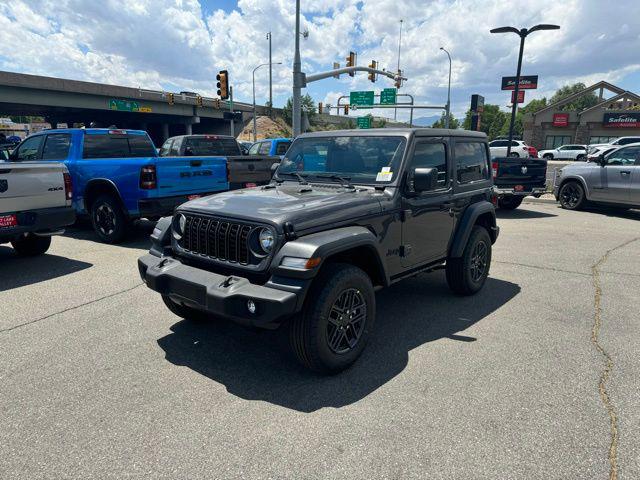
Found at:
(514, 178)
(35, 203)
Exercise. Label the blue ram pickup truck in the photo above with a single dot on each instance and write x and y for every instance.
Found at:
(118, 176)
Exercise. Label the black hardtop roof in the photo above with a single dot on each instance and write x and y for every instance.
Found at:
(377, 132)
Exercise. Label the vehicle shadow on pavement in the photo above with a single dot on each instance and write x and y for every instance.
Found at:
(615, 212)
(521, 212)
(137, 235)
(20, 271)
(256, 365)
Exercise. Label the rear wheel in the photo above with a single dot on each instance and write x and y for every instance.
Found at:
(185, 312)
(30, 245)
(581, 158)
(514, 154)
(467, 275)
(108, 219)
(510, 202)
(548, 156)
(338, 316)
(572, 196)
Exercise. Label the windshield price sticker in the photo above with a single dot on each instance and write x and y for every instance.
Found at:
(384, 175)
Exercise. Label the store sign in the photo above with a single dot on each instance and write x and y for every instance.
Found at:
(520, 96)
(529, 82)
(560, 119)
(621, 120)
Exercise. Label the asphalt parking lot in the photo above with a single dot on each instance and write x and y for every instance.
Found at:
(100, 380)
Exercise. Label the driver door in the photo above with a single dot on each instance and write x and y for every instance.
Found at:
(428, 215)
(613, 181)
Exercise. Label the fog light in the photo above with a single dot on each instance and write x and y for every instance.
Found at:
(251, 306)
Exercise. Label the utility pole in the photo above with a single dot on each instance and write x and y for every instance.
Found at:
(270, 77)
(395, 111)
(297, 78)
(231, 110)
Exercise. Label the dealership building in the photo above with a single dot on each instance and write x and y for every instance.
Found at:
(612, 117)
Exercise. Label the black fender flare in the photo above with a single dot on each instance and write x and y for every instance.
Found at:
(466, 223)
(98, 183)
(324, 245)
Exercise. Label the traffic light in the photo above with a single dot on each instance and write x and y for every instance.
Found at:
(351, 62)
(346, 109)
(398, 83)
(170, 99)
(372, 76)
(216, 103)
(223, 84)
(199, 101)
(319, 107)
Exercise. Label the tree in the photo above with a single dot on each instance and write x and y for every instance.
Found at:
(453, 122)
(307, 106)
(586, 101)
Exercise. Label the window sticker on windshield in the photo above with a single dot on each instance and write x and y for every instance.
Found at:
(384, 175)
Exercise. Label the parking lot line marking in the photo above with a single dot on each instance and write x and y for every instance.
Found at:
(30, 322)
(608, 361)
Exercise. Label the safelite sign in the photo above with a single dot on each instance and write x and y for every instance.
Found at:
(529, 82)
(624, 120)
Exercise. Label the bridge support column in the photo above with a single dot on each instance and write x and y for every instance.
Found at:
(165, 132)
(188, 129)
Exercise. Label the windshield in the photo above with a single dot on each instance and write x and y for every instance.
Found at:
(364, 160)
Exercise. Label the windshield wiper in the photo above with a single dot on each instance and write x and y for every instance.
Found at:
(301, 179)
(343, 180)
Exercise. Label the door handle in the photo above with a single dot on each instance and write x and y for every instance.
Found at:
(196, 163)
(625, 172)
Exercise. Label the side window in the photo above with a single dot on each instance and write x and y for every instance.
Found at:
(471, 162)
(627, 141)
(56, 146)
(253, 150)
(624, 156)
(282, 147)
(174, 150)
(499, 143)
(431, 155)
(166, 146)
(265, 148)
(30, 149)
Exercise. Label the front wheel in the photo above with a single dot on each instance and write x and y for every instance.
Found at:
(581, 158)
(572, 196)
(548, 156)
(108, 219)
(514, 154)
(30, 245)
(510, 202)
(467, 275)
(338, 316)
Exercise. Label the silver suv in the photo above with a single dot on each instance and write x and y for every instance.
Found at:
(613, 180)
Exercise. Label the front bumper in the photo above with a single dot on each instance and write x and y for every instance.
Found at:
(535, 191)
(221, 295)
(43, 221)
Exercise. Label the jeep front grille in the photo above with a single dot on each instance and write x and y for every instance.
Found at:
(216, 238)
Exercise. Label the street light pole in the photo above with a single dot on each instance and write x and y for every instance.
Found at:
(446, 122)
(522, 33)
(297, 79)
(270, 76)
(395, 111)
(254, 93)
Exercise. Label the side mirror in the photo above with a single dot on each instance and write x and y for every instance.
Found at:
(274, 167)
(601, 160)
(425, 179)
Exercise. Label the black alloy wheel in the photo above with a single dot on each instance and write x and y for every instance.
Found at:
(347, 319)
(571, 196)
(108, 219)
(479, 260)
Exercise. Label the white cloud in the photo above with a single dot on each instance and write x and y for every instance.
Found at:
(171, 44)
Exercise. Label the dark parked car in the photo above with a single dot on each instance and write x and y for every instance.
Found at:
(348, 212)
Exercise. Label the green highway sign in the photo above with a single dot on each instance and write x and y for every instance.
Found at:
(388, 96)
(364, 122)
(361, 98)
(127, 106)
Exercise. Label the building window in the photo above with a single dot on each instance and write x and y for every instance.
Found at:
(593, 140)
(555, 141)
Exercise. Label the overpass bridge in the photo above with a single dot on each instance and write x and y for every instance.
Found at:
(71, 101)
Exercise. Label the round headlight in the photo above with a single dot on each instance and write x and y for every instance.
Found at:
(179, 222)
(266, 239)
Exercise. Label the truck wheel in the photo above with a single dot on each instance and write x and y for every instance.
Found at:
(571, 196)
(185, 312)
(334, 325)
(108, 219)
(466, 275)
(30, 245)
(510, 202)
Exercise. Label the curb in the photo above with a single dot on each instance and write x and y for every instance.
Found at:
(539, 200)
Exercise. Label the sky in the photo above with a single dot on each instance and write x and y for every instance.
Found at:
(176, 45)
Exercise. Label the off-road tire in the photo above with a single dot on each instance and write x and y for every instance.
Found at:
(510, 202)
(107, 206)
(571, 196)
(309, 331)
(31, 245)
(187, 313)
(460, 273)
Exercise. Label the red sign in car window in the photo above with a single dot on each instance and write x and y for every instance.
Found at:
(560, 119)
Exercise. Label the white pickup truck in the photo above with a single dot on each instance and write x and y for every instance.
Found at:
(35, 203)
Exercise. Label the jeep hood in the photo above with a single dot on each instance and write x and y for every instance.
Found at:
(301, 205)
